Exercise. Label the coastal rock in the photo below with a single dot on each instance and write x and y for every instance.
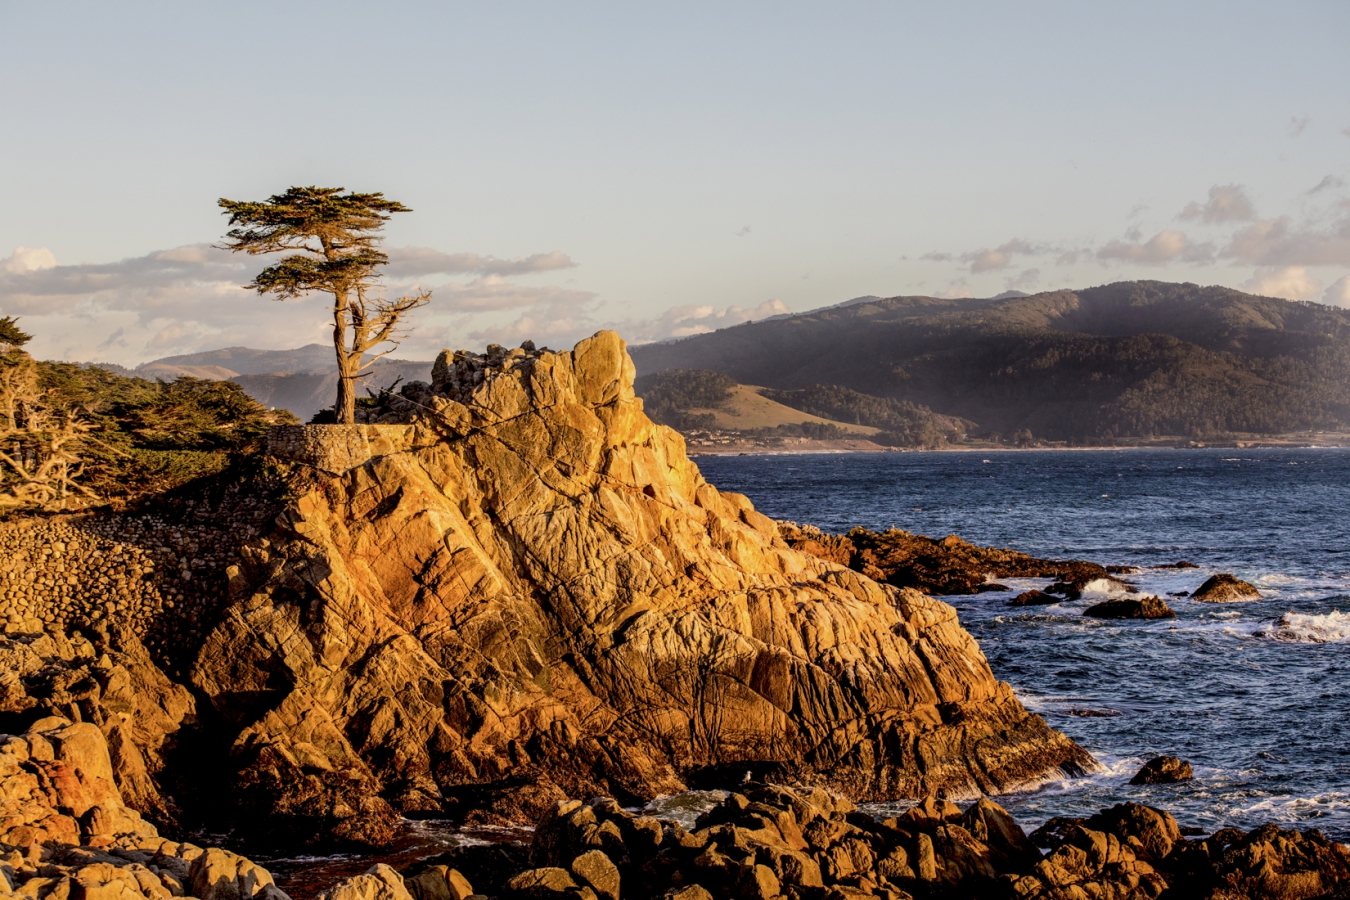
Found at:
(1034, 598)
(66, 832)
(379, 882)
(1224, 588)
(1145, 608)
(1163, 770)
(106, 681)
(535, 586)
(1270, 862)
(948, 565)
(742, 849)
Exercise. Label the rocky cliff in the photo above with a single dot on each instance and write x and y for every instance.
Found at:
(513, 586)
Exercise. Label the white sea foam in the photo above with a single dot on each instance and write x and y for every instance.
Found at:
(1333, 627)
(1295, 809)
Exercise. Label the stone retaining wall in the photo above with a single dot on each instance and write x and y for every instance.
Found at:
(337, 448)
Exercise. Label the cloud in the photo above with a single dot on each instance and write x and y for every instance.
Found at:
(990, 259)
(28, 259)
(743, 232)
(1027, 279)
(189, 298)
(1164, 247)
(1277, 242)
(493, 293)
(1227, 203)
(1000, 257)
(690, 319)
(558, 324)
(954, 293)
(412, 262)
(1297, 125)
(1338, 294)
(1331, 181)
(1290, 282)
(1069, 257)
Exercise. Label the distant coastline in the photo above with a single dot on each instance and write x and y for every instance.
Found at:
(792, 446)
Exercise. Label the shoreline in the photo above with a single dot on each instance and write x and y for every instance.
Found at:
(805, 447)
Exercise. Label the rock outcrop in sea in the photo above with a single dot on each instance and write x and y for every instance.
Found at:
(1225, 588)
(946, 565)
(516, 587)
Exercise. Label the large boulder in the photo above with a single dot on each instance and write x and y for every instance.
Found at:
(519, 579)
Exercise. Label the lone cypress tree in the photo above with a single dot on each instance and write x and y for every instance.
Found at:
(333, 238)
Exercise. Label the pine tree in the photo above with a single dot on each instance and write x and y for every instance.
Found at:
(333, 239)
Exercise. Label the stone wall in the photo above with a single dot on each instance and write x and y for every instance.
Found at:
(337, 448)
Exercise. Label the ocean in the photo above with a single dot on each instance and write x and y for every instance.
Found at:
(1255, 695)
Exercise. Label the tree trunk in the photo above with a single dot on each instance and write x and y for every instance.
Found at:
(344, 410)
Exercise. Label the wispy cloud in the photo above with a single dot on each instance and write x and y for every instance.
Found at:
(1164, 247)
(414, 262)
(1298, 124)
(990, 259)
(1279, 242)
(1330, 182)
(1227, 203)
(690, 319)
(189, 298)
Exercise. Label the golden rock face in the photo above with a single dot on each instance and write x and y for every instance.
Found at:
(527, 583)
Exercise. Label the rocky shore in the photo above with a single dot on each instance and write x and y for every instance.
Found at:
(505, 589)
(65, 832)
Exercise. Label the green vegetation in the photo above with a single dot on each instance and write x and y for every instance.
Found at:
(668, 397)
(902, 424)
(151, 436)
(74, 436)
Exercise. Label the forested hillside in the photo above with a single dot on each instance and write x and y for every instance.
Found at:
(1127, 360)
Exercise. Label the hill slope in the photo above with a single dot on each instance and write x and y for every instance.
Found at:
(1132, 359)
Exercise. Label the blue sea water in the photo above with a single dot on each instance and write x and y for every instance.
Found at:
(1255, 695)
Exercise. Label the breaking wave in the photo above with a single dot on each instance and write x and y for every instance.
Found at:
(1332, 627)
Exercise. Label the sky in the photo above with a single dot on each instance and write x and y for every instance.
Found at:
(662, 169)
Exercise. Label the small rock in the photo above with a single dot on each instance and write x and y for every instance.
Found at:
(540, 884)
(689, 892)
(1164, 770)
(1034, 598)
(594, 868)
(1147, 608)
(1224, 588)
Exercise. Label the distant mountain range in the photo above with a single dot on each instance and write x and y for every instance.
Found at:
(1127, 360)
(303, 380)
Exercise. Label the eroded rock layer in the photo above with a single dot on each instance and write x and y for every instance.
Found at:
(519, 587)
